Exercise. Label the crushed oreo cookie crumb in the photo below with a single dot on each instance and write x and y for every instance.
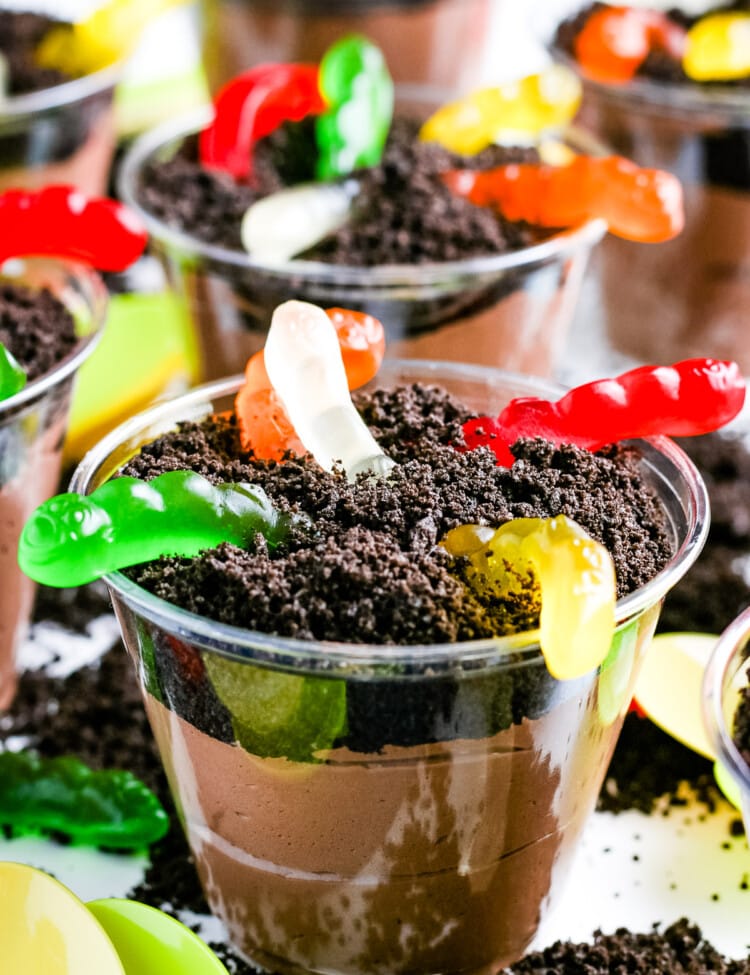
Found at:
(679, 949)
(35, 327)
(403, 213)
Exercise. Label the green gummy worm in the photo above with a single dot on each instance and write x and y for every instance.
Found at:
(12, 376)
(73, 539)
(351, 133)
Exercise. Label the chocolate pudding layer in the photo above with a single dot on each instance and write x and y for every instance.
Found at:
(456, 863)
(39, 332)
(376, 806)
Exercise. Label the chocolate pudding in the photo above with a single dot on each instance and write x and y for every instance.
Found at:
(374, 768)
(441, 273)
(690, 296)
(427, 885)
(54, 128)
(40, 331)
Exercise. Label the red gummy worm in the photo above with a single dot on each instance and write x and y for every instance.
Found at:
(61, 221)
(615, 41)
(686, 399)
(253, 105)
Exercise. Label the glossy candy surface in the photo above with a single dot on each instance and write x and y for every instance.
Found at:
(615, 41)
(107, 35)
(252, 106)
(12, 376)
(277, 714)
(61, 221)
(281, 225)
(109, 808)
(527, 107)
(718, 48)
(691, 397)
(362, 343)
(304, 362)
(264, 425)
(575, 575)
(73, 539)
(358, 90)
(645, 205)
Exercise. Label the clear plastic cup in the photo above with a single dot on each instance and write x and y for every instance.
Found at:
(510, 310)
(727, 673)
(436, 42)
(420, 812)
(32, 429)
(690, 296)
(63, 134)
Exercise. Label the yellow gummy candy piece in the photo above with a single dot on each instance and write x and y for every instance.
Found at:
(576, 578)
(718, 48)
(523, 108)
(108, 35)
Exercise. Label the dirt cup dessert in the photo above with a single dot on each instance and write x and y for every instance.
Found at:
(57, 87)
(52, 312)
(419, 38)
(726, 711)
(301, 184)
(672, 90)
(386, 643)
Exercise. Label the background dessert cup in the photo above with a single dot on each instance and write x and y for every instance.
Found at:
(419, 38)
(63, 134)
(725, 676)
(690, 296)
(416, 809)
(32, 429)
(510, 310)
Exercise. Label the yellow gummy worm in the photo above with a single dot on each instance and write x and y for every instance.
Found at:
(576, 579)
(526, 107)
(717, 48)
(107, 35)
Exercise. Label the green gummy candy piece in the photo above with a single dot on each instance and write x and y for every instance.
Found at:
(107, 808)
(352, 132)
(615, 673)
(279, 715)
(12, 376)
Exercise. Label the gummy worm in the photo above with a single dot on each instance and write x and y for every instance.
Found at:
(576, 578)
(61, 221)
(73, 539)
(686, 399)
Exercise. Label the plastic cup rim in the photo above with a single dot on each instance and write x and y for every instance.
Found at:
(229, 640)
